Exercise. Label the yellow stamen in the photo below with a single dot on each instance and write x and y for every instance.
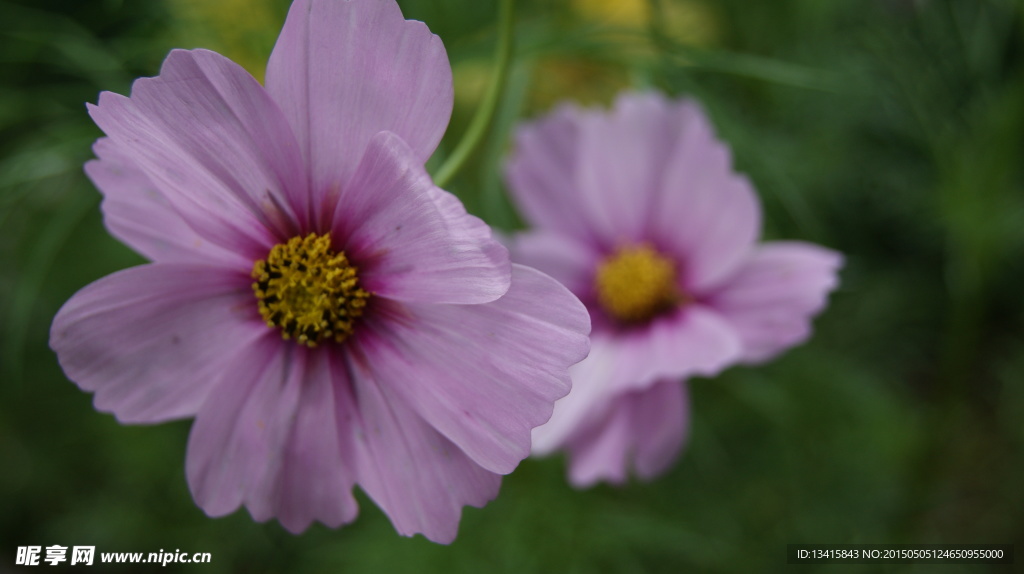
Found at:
(636, 283)
(308, 290)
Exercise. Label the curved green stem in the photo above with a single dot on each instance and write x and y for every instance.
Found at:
(485, 113)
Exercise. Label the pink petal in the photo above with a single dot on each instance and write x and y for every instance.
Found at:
(541, 172)
(482, 375)
(150, 341)
(412, 241)
(692, 341)
(661, 421)
(640, 429)
(215, 145)
(140, 216)
(771, 299)
(600, 451)
(707, 215)
(419, 478)
(344, 71)
(622, 160)
(594, 389)
(565, 259)
(459, 221)
(272, 437)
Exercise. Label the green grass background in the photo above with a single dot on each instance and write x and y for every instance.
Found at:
(890, 130)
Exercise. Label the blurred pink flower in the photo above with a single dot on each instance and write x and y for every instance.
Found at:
(639, 213)
(327, 314)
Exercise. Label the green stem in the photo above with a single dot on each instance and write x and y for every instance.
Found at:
(485, 113)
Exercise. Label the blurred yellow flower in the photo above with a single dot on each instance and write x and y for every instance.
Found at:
(625, 13)
(587, 81)
(622, 30)
(470, 79)
(242, 30)
(690, 22)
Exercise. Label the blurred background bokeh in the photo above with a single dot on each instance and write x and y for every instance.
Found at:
(890, 130)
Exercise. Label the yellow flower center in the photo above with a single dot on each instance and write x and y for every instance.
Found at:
(636, 283)
(308, 290)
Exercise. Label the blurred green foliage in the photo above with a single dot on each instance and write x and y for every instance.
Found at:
(891, 130)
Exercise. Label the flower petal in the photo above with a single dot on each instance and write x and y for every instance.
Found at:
(589, 400)
(772, 297)
(482, 375)
(541, 172)
(661, 421)
(419, 478)
(706, 214)
(273, 437)
(209, 137)
(344, 71)
(412, 241)
(622, 161)
(695, 340)
(137, 214)
(150, 341)
(600, 451)
(562, 257)
(642, 429)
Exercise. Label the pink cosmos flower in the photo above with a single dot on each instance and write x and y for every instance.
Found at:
(639, 213)
(328, 316)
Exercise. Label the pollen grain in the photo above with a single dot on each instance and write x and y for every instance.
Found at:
(636, 283)
(309, 291)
